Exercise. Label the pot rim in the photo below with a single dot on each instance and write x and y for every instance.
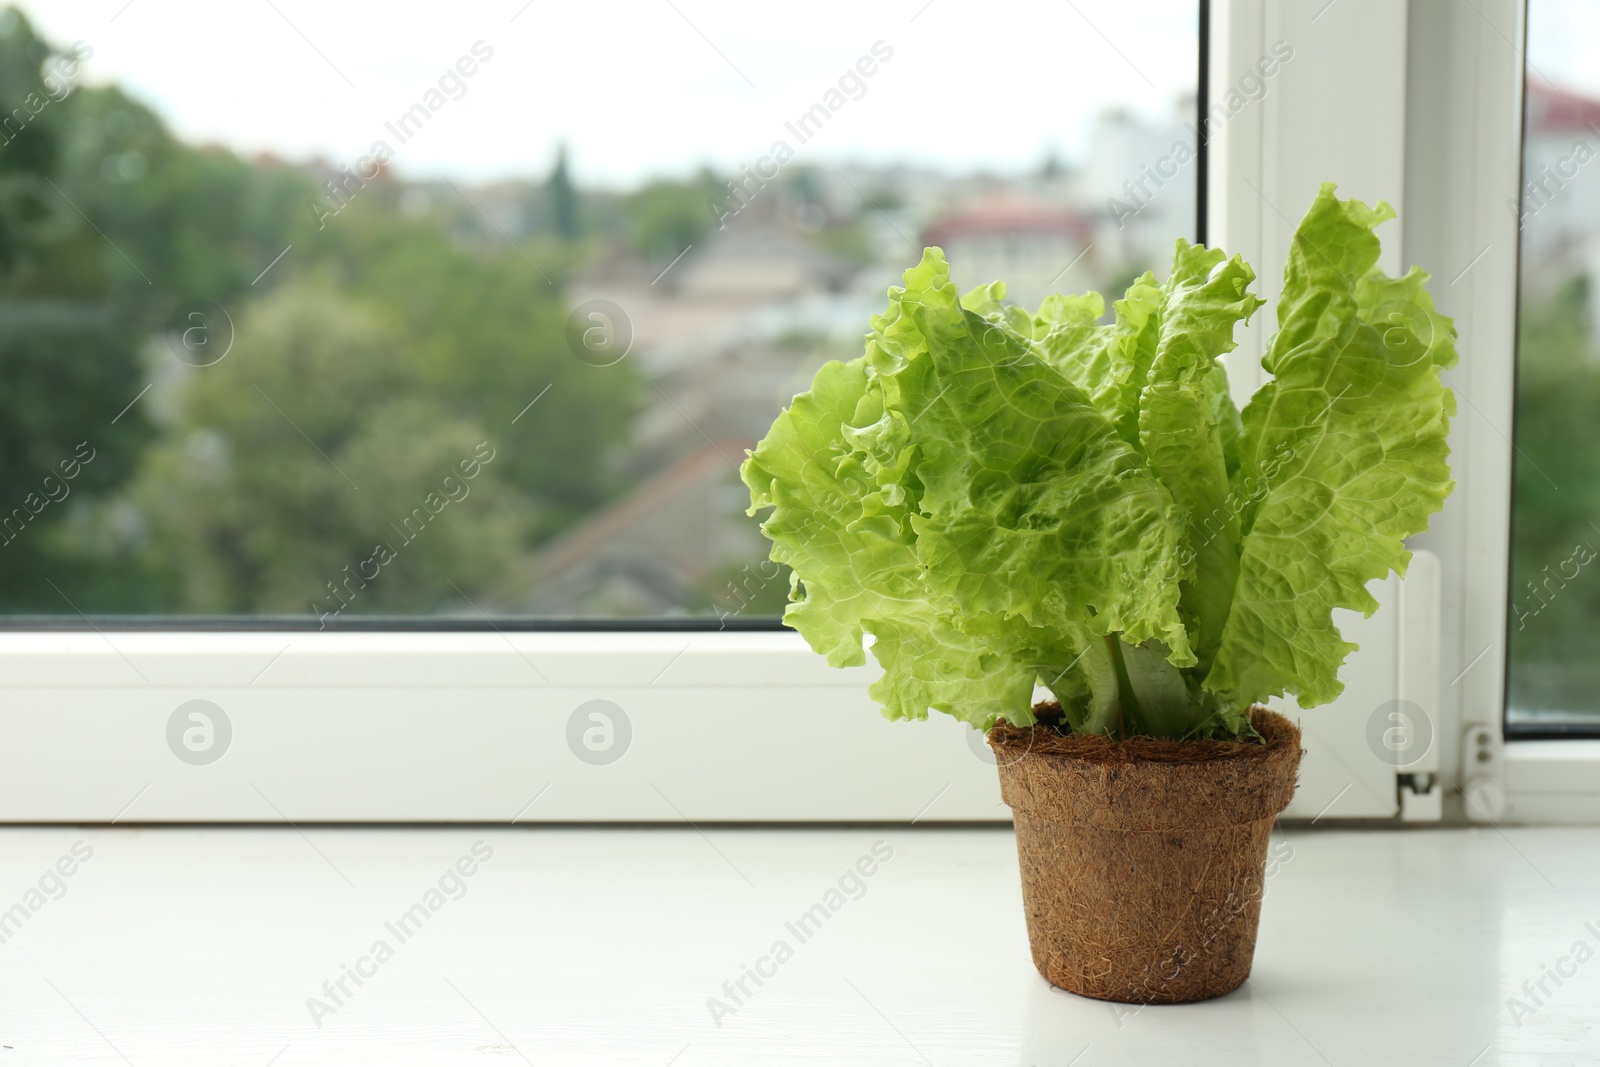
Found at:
(1016, 742)
(1093, 781)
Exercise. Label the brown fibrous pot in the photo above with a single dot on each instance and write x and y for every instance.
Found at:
(1143, 861)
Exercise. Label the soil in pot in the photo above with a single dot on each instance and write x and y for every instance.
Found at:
(1143, 861)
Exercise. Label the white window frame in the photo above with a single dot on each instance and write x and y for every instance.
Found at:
(1419, 103)
(1464, 165)
(751, 726)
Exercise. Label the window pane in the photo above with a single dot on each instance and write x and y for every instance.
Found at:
(326, 312)
(1554, 674)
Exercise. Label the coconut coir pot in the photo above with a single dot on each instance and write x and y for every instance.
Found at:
(1143, 860)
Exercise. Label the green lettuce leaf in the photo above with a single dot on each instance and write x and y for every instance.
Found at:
(1344, 454)
(1028, 502)
(1229, 426)
(1201, 302)
(832, 470)
(829, 521)
(1155, 373)
(1111, 362)
(979, 669)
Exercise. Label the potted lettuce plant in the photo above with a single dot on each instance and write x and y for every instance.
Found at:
(997, 500)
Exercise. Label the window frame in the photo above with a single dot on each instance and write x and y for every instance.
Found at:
(1451, 174)
(1466, 160)
(348, 724)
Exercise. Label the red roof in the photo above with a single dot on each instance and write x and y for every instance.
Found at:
(1552, 109)
(1005, 213)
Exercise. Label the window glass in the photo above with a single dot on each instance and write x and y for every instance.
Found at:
(356, 311)
(1554, 673)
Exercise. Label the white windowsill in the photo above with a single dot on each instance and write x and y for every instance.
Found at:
(183, 946)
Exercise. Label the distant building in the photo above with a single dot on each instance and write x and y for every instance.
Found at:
(1559, 207)
(724, 338)
(669, 547)
(757, 264)
(1035, 247)
(1140, 180)
(681, 310)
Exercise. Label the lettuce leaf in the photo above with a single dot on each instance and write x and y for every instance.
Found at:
(852, 557)
(978, 668)
(1028, 503)
(1110, 363)
(1344, 454)
(1155, 373)
(1205, 297)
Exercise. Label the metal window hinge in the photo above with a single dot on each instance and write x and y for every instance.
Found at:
(1483, 771)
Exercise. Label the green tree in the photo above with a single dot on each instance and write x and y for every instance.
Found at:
(664, 217)
(69, 354)
(311, 472)
(30, 136)
(564, 208)
(109, 224)
(1555, 574)
(486, 336)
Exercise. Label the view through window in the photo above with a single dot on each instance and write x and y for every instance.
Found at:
(343, 312)
(1554, 674)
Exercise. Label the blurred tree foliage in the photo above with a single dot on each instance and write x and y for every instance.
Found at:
(665, 217)
(303, 458)
(1555, 559)
(565, 215)
(70, 327)
(397, 332)
(485, 336)
(380, 345)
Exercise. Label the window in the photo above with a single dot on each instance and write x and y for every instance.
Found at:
(325, 316)
(1554, 677)
(410, 361)
(394, 374)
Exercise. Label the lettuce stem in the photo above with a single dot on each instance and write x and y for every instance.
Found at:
(1127, 703)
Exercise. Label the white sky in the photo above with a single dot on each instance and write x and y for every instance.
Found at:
(1563, 40)
(633, 87)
